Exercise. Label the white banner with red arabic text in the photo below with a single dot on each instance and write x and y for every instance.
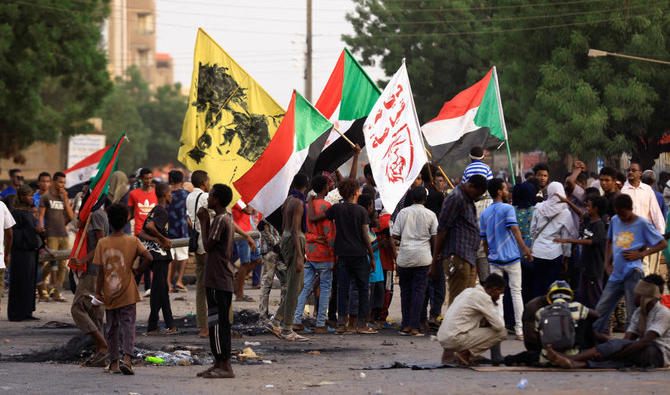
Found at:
(393, 140)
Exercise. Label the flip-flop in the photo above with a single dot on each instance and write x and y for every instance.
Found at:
(217, 373)
(294, 337)
(270, 327)
(126, 369)
(181, 288)
(97, 361)
(209, 369)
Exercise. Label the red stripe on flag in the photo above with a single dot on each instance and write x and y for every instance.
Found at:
(464, 101)
(89, 160)
(332, 93)
(79, 246)
(272, 160)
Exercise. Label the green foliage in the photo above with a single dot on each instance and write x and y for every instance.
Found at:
(152, 121)
(52, 69)
(439, 65)
(555, 97)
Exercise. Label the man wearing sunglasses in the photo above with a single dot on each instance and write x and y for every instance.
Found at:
(16, 177)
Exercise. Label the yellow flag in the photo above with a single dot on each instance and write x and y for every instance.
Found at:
(230, 118)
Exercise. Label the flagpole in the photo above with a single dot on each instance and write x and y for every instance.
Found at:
(344, 137)
(502, 121)
(439, 168)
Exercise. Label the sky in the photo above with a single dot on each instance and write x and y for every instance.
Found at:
(267, 38)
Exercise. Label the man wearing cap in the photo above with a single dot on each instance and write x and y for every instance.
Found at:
(646, 343)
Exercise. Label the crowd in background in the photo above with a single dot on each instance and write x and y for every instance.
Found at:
(503, 257)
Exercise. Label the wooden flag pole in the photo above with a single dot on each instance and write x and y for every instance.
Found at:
(344, 137)
(440, 169)
(76, 252)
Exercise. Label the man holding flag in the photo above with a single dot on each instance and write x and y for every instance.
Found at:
(86, 315)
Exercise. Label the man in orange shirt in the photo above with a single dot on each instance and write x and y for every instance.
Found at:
(140, 203)
(248, 259)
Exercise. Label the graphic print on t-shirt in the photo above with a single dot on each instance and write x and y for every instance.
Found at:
(56, 205)
(624, 239)
(114, 266)
(145, 207)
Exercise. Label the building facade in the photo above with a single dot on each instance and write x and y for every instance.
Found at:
(131, 40)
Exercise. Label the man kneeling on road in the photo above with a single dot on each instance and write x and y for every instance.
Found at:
(650, 325)
(472, 323)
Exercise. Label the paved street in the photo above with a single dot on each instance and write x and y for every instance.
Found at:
(293, 370)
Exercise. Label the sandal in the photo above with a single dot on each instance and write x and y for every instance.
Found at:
(272, 328)
(126, 369)
(366, 331)
(293, 337)
(172, 331)
(44, 296)
(181, 288)
(218, 373)
(97, 361)
(245, 298)
(209, 369)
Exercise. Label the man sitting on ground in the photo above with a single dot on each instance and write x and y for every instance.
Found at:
(550, 320)
(472, 323)
(646, 343)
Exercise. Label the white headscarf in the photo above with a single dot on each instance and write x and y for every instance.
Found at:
(552, 206)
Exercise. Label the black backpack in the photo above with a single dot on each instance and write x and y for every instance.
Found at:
(193, 234)
(557, 327)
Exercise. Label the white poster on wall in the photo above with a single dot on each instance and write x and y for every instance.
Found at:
(83, 145)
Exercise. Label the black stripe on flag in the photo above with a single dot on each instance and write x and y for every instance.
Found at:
(445, 154)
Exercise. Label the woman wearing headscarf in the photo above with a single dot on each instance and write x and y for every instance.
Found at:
(551, 220)
(118, 187)
(23, 266)
(118, 192)
(523, 198)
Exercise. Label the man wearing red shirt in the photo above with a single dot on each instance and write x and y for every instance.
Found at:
(140, 203)
(248, 259)
(320, 257)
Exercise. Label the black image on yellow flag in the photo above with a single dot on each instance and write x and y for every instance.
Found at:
(230, 118)
(219, 93)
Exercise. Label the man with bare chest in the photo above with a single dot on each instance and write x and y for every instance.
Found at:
(293, 249)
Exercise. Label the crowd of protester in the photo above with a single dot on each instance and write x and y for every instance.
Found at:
(559, 263)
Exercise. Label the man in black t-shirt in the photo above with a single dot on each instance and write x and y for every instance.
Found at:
(608, 177)
(353, 250)
(154, 236)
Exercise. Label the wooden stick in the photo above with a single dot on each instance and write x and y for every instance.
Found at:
(344, 137)
(76, 252)
(445, 176)
(440, 168)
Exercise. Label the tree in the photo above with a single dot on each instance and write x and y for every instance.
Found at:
(152, 121)
(52, 70)
(164, 116)
(558, 99)
(555, 98)
(440, 64)
(120, 114)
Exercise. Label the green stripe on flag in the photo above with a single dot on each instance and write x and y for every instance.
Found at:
(359, 92)
(309, 123)
(488, 114)
(104, 162)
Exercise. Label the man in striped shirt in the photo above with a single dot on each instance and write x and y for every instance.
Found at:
(477, 166)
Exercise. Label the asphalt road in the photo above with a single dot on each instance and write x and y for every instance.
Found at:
(295, 367)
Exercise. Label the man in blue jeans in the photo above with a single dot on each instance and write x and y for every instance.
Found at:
(627, 241)
(355, 258)
(320, 257)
